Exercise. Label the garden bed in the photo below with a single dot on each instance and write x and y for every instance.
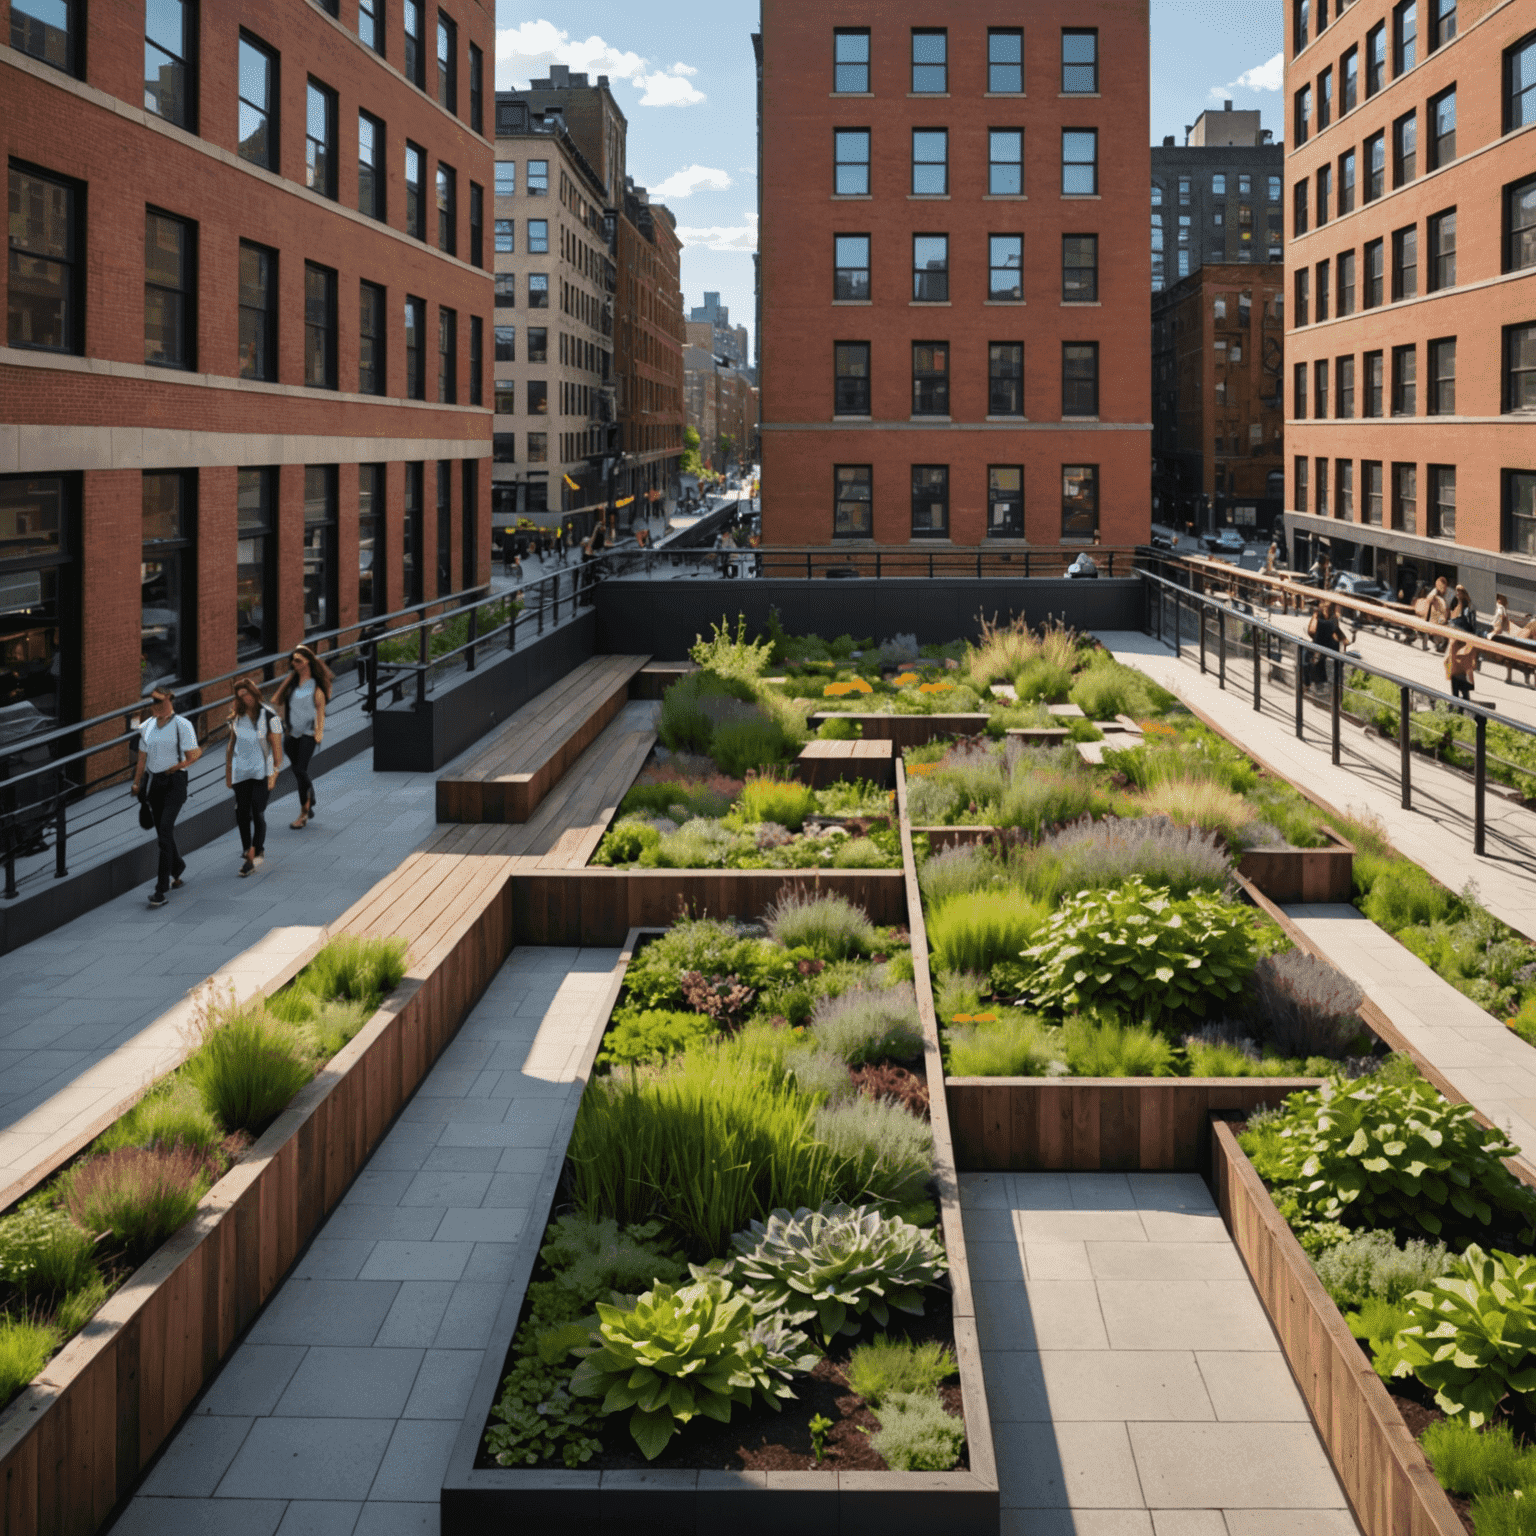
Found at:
(1303, 874)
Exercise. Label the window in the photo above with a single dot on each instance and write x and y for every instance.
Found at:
(852, 501)
(1079, 269)
(1344, 388)
(1324, 289)
(1372, 404)
(412, 540)
(1324, 99)
(1442, 251)
(930, 378)
(1520, 84)
(1370, 477)
(1005, 501)
(1299, 392)
(930, 269)
(1375, 166)
(415, 349)
(43, 302)
(167, 578)
(505, 236)
(1520, 515)
(1005, 378)
(1375, 58)
(1274, 189)
(1079, 63)
(447, 209)
(372, 591)
(1441, 149)
(1520, 225)
(319, 547)
(1344, 489)
(49, 30)
(538, 178)
(850, 148)
(1079, 378)
(506, 178)
(1005, 61)
(447, 64)
(476, 360)
(504, 446)
(1442, 25)
(170, 291)
(1346, 272)
(255, 563)
(476, 94)
(1299, 484)
(930, 62)
(1320, 467)
(258, 103)
(1005, 165)
(1218, 185)
(850, 62)
(1301, 114)
(1442, 502)
(1375, 261)
(476, 225)
(1324, 193)
(319, 326)
(1405, 263)
(1079, 161)
(1346, 183)
(930, 501)
(1079, 501)
(930, 162)
(415, 190)
(1320, 389)
(1299, 207)
(537, 395)
(320, 139)
(370, 166)
(1405, 498)
(1183, 191)
(1005, 268)
(444, 528)
(538, 290)
(170, 45)
(1405, 36)
(258, 312)
(850, 382)
(370, 340)
(1303, 285)
(1301, 11)
(850, 278)
(505, 339)
(1520, 368)
(372, 35)
(1405, 149)
(505, 400)
(538, 237)
(447, 355)
(538, 344)
(1349, 80)
(1405, 385)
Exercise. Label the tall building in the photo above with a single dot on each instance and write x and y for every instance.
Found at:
(720, 400)
(1412, 261)
(247, 335)
(954, 335)
(1217, 413)
(556, 396)
(1217, 197)
(728, 341)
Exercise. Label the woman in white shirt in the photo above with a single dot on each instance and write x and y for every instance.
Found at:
(167, 748)
(302, 697)
(252, 757)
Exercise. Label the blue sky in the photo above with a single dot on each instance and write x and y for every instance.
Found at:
(682, 72)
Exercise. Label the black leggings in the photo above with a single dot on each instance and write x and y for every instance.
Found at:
(300, 749)
(1461, 685)
(251, 813)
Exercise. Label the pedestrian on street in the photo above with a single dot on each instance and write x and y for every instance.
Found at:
(252, 758)
(1272, 559)
(1324, 629)
(515, 570)
(1501, 622)
(302, 697)
(167, 748)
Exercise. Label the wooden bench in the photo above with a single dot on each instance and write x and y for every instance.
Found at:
(828, 762)
(908, 730)
(527, 755)
(655, 677)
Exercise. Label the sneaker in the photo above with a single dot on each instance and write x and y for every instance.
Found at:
(158, 899)
(259, 860)
(176, 884)
(246, 866)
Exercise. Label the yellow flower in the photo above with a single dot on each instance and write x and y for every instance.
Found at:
(962, 1018)
(934, 687)
(984, 1018)
(903, 678)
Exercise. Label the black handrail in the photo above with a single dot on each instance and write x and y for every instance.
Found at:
(881, 562)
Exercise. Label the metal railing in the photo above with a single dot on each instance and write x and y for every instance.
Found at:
(805, 562)
(1225, 634)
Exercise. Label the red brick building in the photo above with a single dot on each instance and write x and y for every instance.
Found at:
(955, 302)
(1411, 388)
(244, 385)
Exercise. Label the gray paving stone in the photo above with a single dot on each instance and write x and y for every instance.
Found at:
(1233, 1466)
(1100, 1192)
(252, 1379)
(377, 1223)
(1165, 1261)
(332, 1259)
(1056, 1261)
(1097, 1385)
(193, 1462)
(307, 1459)
(519, 1159)
(149, 1516)
(320, 1517)
(416, 1261)
(483, 1224)
(994, 1261)
(1251, 1387)
(1184, 1314)
(1290, 1522)
(443, 1384)
(402, 1519)
(377, 1186)
(462, 1159)
(1075, 1522)
(1061, 1466)
(1039, 1314)
(359, 1382)
(1188, 1522)
(511, 1190)
(490, 1263)
(325, 1312)
(416, 1459)
(444, 1189)
(416, 1315)
(1071, 1226)
(469, 1316)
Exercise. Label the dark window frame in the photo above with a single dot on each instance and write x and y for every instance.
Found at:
(476, 360)
(416, 191)
(1440, 263)
(372, 526)
(321, 521)
(40, 41)
(415, 316)
(1440, 376)
(1405, 380)
(446, 202)
(477, 225)
(998, 81)
(372, 175)
(183, 297)
(1079, 380)
(850, 169)
(263, 356)
(256, 490)
(1010, 523)
(179, 550)
(1519, 242)
(1005, 380)
(930, 490)
(845, 85)
(320, 290)
(372, 377)
(851, 378)
(1011, 267)
(1073, 84)
(941, 64)
(268, 156)
(1005, 178)
(71, 287)
(1080, 520)
(846, 289)
(1518, 393)
(1405, 263)
(852, 489)
(1519, 104)
(931, 378)
(186, 62)
(1075, 165)
(1440, 148)
(320, 154)
(447, 355)
(445, 56)
(929, 280)
(1079, 289)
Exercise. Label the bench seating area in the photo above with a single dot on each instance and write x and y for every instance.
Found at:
(827, 762)
(524, 758)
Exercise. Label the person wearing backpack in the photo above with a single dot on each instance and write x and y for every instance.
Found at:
(167, 748)
(252, 758)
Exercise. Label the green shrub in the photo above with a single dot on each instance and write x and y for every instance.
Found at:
(79, 1307)
(1134, 948)
(1504, 1514)
(860, 1026)
(1089, 855)
(681, 1352)
(169, 1116)
(689, 709)
(972, 932)
(831, 927)
(697, 844)
(780, 800)
(880, 1370)
(1037, 802)
(1305, 1007)
(140, 1197)
(836, 728)
(591, 1257)
(355, 969)
(705, 945)
(1106, 689)
(1219, 1052)
(739, 746)
(247, 1071)
(835, 1265)
(819, 1073)
(43, 1252)
(636, 1039)
(1109, 1048)
(1371, 1264)
(1016, 1045)
(1202, 803)
(1472, 1461)
(879, 1150)
(625, 842)
(956, 992)
(1042, 681)
(24, 1350)
(1401, 894)
(918, 1434)
(731, 654)
(955, 871)
(859, 853)
(536, 1418)
(854, 797)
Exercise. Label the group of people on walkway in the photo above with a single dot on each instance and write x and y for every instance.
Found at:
(257, 739)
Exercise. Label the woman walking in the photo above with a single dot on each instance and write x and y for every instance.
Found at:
(1460, 656)
(302, 697)
(167, 748)
(251, 761)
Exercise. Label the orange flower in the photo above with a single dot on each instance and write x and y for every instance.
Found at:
(984, 1018)
(903, 678)
(962, 1018)
(934, 687)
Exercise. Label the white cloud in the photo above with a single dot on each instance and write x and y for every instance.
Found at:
(723, 237)
(1268, 76)
(693, 178)
(526, 51)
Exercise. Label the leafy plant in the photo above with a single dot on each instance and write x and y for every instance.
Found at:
(247, 1071)
(1221, 1051)
(918, 1434)
(690, 709)
(536, 1417)
(831, 927)
(741, 746)
(780, 800)
(862, 1026)
(1472, 1461)
(625, 842)
(1040, 679)
(43, 1252)
(652, 1036)
(835, 1265)
(972, 932)
(1107, 688)
(1107, 1047)
(731, 654)
(885, 1080)
(820, 1073)
(725, 999)
(836, 728)
(140, 1197)
(1135, 948)
(1305, 1006)
(880, 1370)
(684, 1351)
(592, 1257)
(819, 1426)
(1371, 1264)
(957, 992)
(706, 945)
(1017, 1044)
(1400, 894)
(854, 797)
(879, 1150)
(24, 1350)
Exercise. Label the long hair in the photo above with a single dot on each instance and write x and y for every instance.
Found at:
(317, 670)
(246, 688)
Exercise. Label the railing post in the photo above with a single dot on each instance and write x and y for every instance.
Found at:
(1479, 786)
(1336, 702)
(423, 646)
(474, 631)
(1026, 564)
(60, 836)
(807, 565)
(1200, 615)
(371, 673)
(978, 562)
(1178, 625)
(1221, 647)
(1301, 690)
(930, 565)
(1258, 665)
(877, 565)
(1405, 744)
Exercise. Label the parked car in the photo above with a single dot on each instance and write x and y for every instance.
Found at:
(1161, 540)
(1227, 541)
(1353, 584)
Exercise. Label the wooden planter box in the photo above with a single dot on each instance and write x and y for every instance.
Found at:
(829, 762)
(1038, 735)
(910, 730)
(76, 1441)
(1303, 874)
(955, 837)
(1384, 1473)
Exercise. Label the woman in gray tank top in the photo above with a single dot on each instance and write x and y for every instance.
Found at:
(301, 697)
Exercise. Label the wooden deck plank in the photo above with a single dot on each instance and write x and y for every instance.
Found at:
(593, 808)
